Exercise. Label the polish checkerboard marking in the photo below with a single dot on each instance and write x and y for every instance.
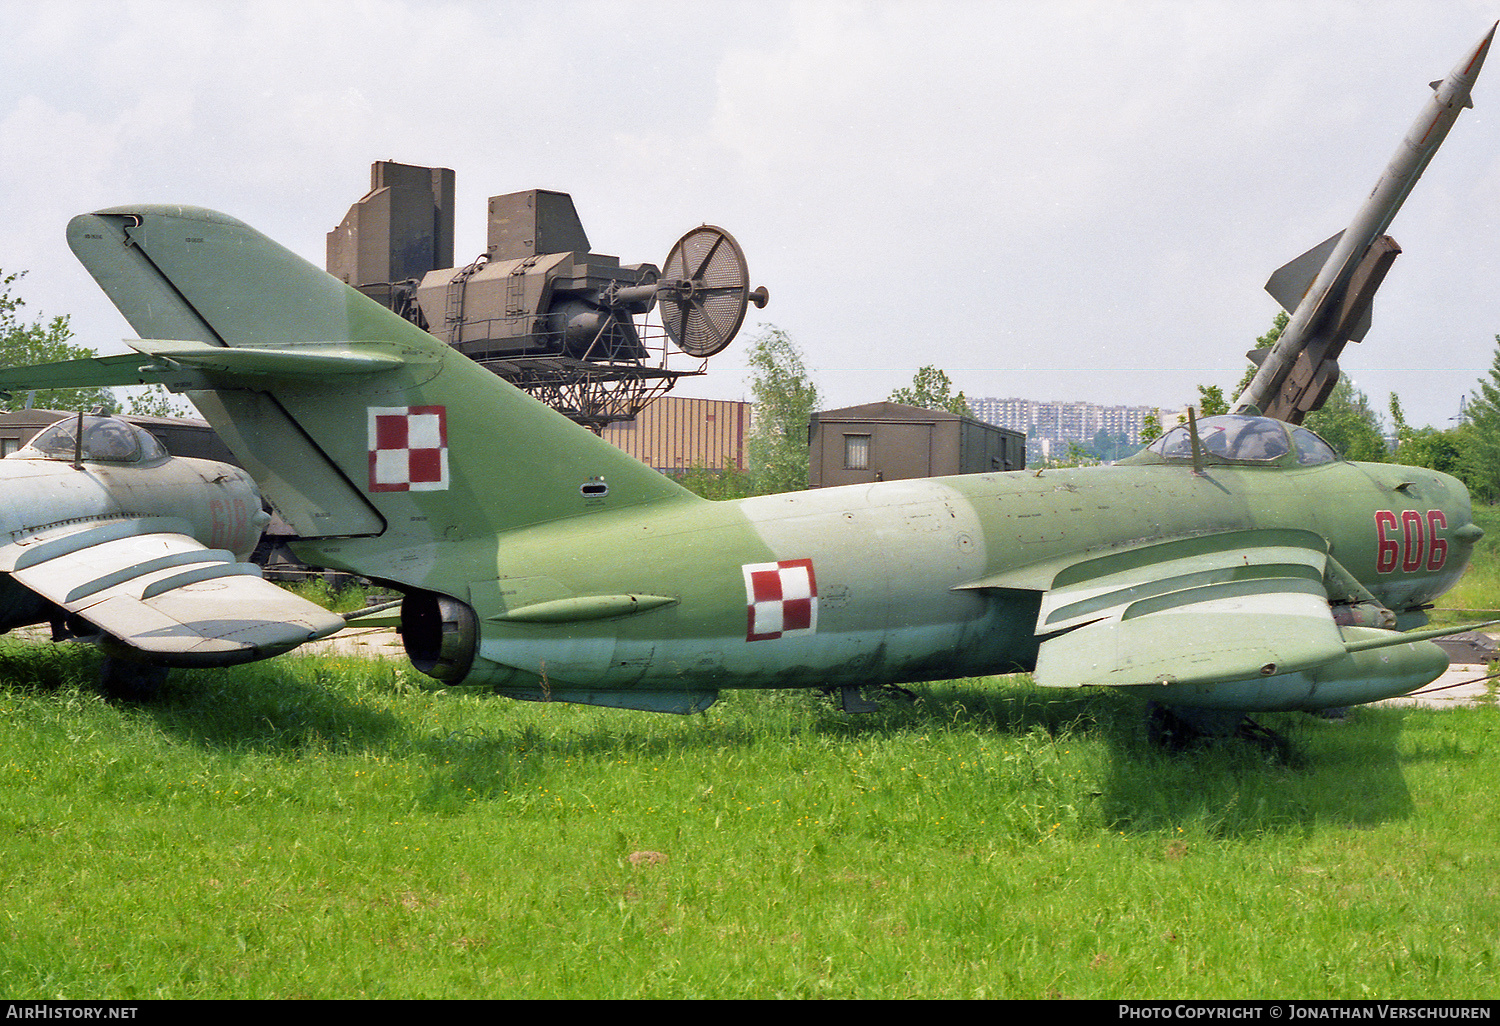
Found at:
(408, 448)
(781, 599)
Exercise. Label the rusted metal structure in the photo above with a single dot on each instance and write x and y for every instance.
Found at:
(537, 307)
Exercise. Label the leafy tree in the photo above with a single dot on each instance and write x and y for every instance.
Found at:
(785, 397)
(1483, 456)
(728, 483)
(23, 344)
(1211, 401)
(1110, 448)
(1347, 423)
(1445, 451)
(1398, 420)
(1151, 427)
(156, 401)
(932, 390)
(1074, 455)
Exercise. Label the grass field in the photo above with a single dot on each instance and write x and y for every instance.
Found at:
(329, 828)
(325, 828)
(1477, 594)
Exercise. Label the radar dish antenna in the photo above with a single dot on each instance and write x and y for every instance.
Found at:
(704, 290)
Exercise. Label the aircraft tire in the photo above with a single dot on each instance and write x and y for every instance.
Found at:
(123, 680)
(1180, 728)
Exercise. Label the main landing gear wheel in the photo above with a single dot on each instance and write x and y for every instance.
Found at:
(1179, 728)
(127, 681)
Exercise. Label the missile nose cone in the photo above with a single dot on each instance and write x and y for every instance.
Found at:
(1468, 69)
(1453, 91)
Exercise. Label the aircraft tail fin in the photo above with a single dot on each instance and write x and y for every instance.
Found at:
(355, 421)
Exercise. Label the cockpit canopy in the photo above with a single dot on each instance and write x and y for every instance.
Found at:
(1237, 440)
(105, 440)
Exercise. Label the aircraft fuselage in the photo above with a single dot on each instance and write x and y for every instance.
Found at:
(883, 583)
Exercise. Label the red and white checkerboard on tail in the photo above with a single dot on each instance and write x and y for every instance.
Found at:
(781, 599)
(408, 448)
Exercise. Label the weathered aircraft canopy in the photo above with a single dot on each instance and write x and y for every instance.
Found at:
(105, 440)
(1240, 440)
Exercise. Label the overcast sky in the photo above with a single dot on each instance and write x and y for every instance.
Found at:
(1048, 200)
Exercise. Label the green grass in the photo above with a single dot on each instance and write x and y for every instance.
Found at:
(1477, 594)
(317, 590)
(327, 828)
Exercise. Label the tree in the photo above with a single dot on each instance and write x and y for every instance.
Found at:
(156, 401)
(1347, 423)
(1398, 420)
(1444, 451)
(932, 390)
(1211, 401)
(1151, 427)
(1075, 456)
(785, 399)
(727, 483)
(25, 344)
(1483, 456)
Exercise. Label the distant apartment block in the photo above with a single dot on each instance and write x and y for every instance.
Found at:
(1050, 426)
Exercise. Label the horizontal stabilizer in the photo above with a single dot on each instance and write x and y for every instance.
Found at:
(305, 360)
(181, 365)
(97, 372)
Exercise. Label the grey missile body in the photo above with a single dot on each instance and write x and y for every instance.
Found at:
(1328, 290)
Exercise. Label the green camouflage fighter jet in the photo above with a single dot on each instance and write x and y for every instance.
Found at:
(1238, 564)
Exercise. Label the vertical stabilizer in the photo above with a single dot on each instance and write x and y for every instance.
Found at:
(357, 422)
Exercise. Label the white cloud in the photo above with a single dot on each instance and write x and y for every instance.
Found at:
(1045, 198)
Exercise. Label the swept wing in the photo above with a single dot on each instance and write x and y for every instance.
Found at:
(1235, 619)
(157, 591)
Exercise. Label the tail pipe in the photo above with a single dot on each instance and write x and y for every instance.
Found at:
(441, 635)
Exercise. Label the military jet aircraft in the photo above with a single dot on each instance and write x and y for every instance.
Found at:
(1238, 564)
(111, 539)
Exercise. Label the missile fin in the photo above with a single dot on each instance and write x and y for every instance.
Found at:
(1291, 281)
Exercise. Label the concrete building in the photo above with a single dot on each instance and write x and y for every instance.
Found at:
(1050, 425)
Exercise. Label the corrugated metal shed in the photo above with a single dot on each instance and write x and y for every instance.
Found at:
(675, 434)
